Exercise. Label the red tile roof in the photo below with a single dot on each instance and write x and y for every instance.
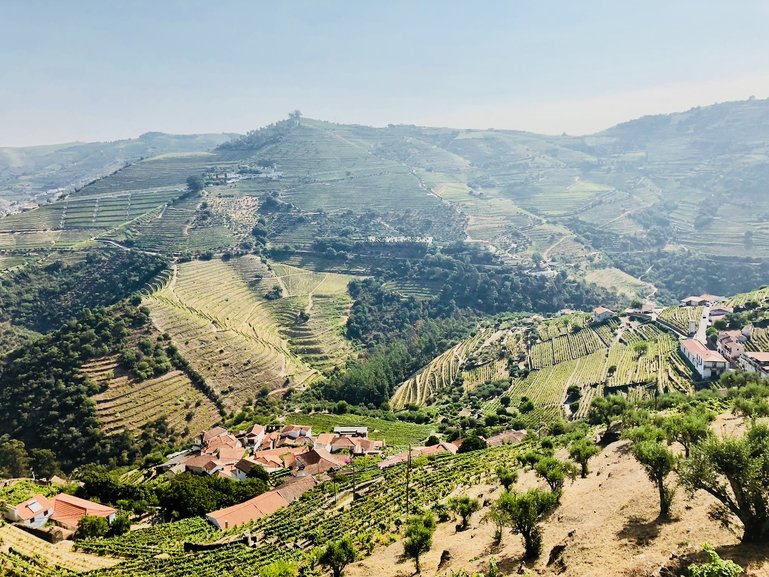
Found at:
(250, 510)
(294, 488)
(758, 356)
(32, 507)
(68, 510)
(696, 348)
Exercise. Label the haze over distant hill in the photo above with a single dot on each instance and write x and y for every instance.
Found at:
(691, 185)
(36, 174)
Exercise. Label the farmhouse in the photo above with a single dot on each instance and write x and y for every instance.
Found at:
(601, 314)
(719, 312)
(731, 344)
(319, 461)
(705, 362)
(296, 431)
(511, 437)
(68, 510)
(33, 512)
(352, 431)
(254, 436)
(417, 452)
(264, 504)
(250, 510)
(700, 301)
(755, 362)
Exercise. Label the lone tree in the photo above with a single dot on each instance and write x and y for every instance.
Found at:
(506, 477)
(464, 506)
(657, 460)
(337, 555)
(603, 410)
(89, 526)
(523, 512)
(472, 442)
(736, 472)
(581, 451)
(418, 537)
(195, 183)
(555, 472)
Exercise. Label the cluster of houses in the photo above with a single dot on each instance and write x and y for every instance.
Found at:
(292, 449)
(730, 350)
(225, 177)
(63, 510)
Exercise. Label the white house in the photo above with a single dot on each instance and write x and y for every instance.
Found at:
(352, 431)
(755, 362)
(700, 301)
(719, 312)
(706, 363)
(601, 314)
(33, 512)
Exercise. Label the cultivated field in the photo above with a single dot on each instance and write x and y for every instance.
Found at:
(128, 404)
(219, 316)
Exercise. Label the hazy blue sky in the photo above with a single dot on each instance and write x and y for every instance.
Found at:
(101, 70)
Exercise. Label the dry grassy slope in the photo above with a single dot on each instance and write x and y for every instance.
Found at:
(607, 521)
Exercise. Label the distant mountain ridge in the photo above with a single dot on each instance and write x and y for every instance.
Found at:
(27, 174)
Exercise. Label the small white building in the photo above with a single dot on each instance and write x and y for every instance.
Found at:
(601, 314)
(33, 512)
(708, 364)
(755, 362)
(352, 431)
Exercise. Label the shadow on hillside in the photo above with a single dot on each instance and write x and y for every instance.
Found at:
(509, 565)
(743, 553)
(640, 531)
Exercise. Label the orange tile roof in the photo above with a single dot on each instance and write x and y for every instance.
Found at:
(759, 356)
(695, 347)
(230, 453)
(293, 489)
(31, 507)
(68, 510)
(250, 510)
(325, 438)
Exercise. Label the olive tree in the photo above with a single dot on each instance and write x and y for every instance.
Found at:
(464, 506)
(555, 472)
(581, 451)
(734, 470)
(523, 513)
(418, 537)
(658, 462)
(337, 555)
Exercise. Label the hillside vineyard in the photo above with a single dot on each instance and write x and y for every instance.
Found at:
(321, 348)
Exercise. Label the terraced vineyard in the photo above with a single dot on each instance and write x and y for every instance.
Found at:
(219, 317)
(436, 377)
(126, 404)
(572, 346)
(760, 296)
(680, 317)
(22, 548)
(312, 314)
(618, 368)
(225, 332)
(759, 340)
(397, 434)
(562, 325)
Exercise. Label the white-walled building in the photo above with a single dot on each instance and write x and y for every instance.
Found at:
(706, 363)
